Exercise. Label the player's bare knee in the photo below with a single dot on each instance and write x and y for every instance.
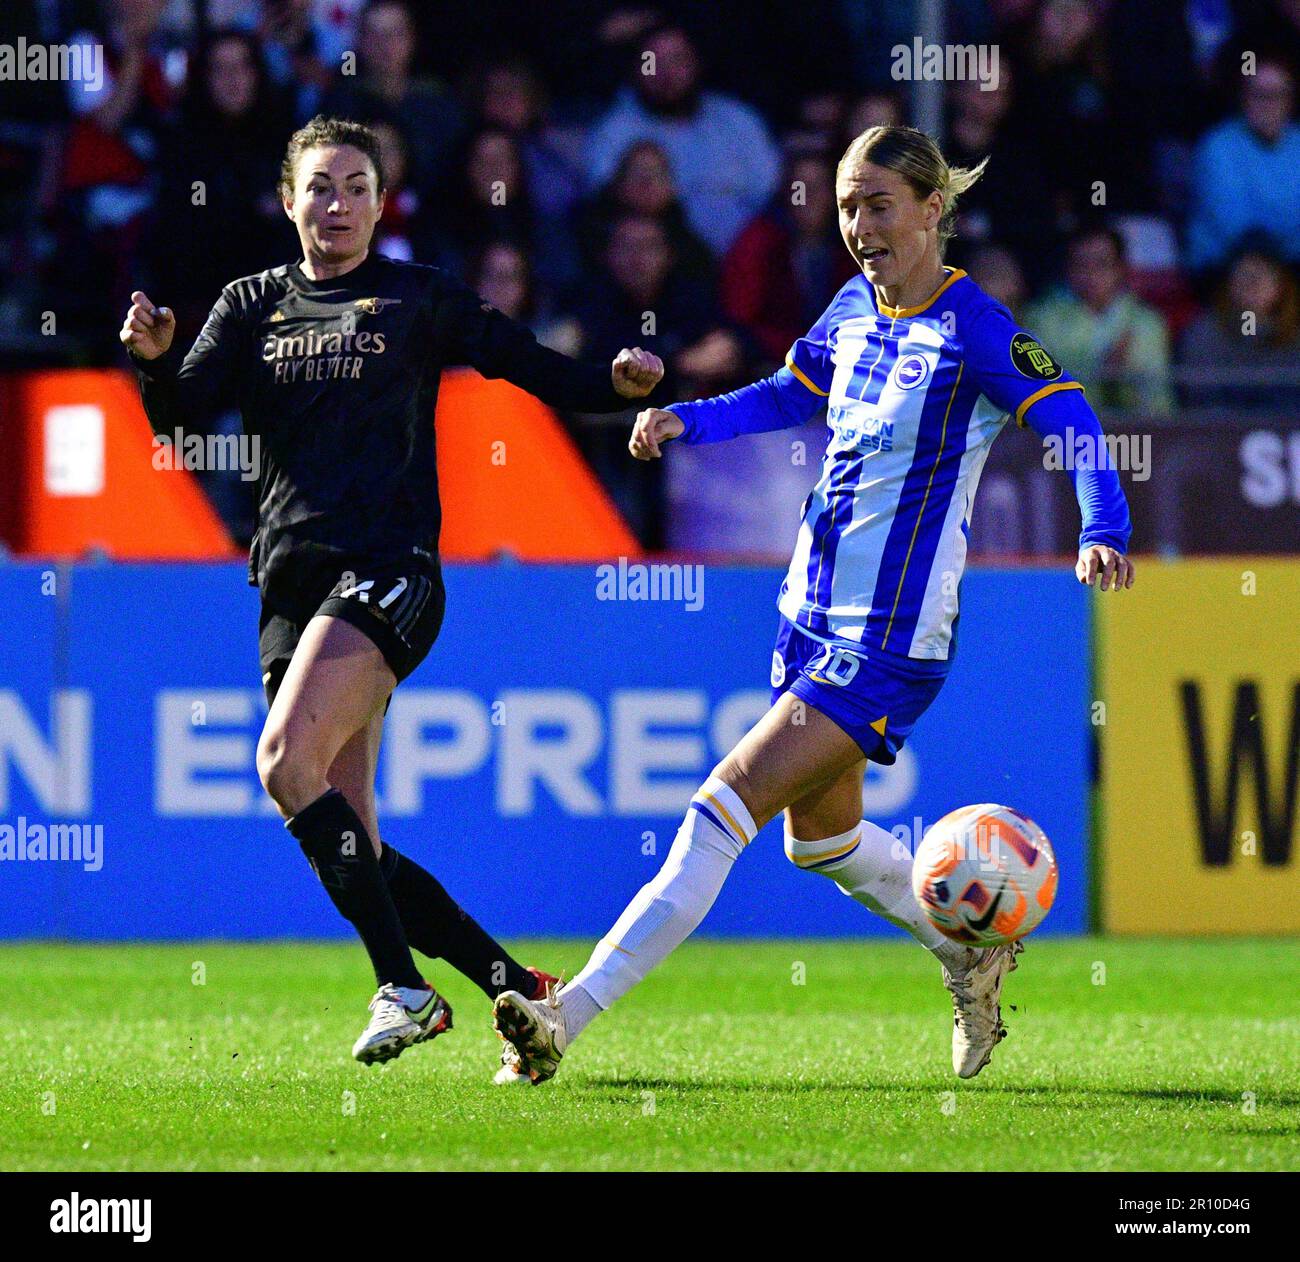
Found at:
(273, 767)
(289, 774)
(267, 755)
(738, 780)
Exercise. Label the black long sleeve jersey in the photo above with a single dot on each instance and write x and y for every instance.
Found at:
(338, 379)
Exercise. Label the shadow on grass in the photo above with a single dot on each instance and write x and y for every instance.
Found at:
(1078, 1093)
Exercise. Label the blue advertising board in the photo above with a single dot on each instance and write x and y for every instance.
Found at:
(538, 762)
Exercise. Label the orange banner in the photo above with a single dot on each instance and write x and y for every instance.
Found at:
(512, 481)
(86, 474)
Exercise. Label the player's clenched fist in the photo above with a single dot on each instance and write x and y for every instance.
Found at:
(1114, 568)
(636, 372)
(653, 426)
(147, 330)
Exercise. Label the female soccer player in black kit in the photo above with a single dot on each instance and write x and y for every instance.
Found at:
(334, 362)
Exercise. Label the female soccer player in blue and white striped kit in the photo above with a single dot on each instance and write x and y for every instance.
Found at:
(919, 369)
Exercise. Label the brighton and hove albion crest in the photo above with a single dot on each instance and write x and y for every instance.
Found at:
(912, 370)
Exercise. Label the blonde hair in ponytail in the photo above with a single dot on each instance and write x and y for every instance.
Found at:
(915, 156)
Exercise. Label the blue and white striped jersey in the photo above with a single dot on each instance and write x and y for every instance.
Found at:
(915, 398)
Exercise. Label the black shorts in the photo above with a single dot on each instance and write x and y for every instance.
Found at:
(397, 603)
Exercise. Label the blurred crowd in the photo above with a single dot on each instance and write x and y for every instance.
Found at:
(1140, 212)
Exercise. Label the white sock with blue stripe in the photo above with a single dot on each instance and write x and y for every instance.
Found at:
(667, 909)
(874, 868)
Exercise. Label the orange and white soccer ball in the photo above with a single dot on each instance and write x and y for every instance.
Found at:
(984, 875)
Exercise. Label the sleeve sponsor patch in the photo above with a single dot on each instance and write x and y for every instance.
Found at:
(1031, 360)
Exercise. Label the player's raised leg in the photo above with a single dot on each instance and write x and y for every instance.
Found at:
(790, 751)
(434, 923)
(825, 833)
(336, 682)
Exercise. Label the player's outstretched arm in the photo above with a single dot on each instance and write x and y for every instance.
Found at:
(468, 330)
(788, 398)
(570, 384)
(200, 386)
(780, 401)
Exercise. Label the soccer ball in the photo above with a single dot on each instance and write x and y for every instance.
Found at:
(984, 875)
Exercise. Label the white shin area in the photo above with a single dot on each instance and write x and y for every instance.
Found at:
(667, 909)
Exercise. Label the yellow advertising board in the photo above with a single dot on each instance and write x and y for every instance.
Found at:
(1198, 668)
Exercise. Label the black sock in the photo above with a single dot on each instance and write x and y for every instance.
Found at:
(340, 852)
(437, 926)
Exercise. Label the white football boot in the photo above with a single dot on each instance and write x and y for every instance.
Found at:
(399, 1017)
(977, 1012)
(513, 1072)
(535, 1029)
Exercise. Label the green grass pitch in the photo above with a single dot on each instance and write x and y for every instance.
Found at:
(1123, 1055)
